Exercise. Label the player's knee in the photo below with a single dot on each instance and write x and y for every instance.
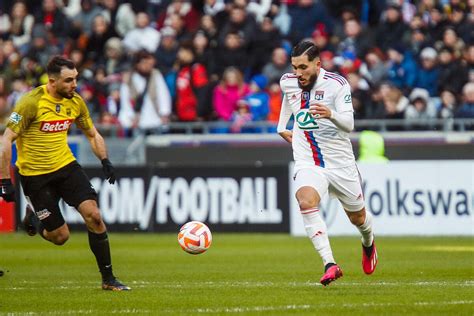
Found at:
(94, 220)
(60, 238)
(307, 198)
(357, 218)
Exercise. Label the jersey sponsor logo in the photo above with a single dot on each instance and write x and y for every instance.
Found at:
(15, 118)
(347, 98)
(319, 95)
(305, 120)
(55, 126)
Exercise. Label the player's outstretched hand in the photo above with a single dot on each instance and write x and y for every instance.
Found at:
(7, 190)
(109, 170)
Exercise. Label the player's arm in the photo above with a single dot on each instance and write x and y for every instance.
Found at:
(84, 122)
(8, 138)
(7, 191)
(100, 150)
(285, 114)
(21, 117)
(343, 116)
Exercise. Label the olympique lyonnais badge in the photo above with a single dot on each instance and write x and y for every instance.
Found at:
(58, 108)
(319, 95)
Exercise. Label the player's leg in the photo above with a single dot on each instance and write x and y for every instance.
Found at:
(78, 192)
(42, 213)
(310, 186)
(363, 221)
(346, 185)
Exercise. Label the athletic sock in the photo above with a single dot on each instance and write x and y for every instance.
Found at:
(366, 230)
(99, 244)
(317, 231)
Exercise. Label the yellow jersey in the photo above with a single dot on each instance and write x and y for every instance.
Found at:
(42, 123)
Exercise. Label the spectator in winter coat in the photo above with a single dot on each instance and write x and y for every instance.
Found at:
(191, 84)
(466, 110)
(145, 101)
(402, 69)
(230, 90)
(421, 107)
(428, 72)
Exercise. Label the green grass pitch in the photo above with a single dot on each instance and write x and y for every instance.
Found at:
(241, 274)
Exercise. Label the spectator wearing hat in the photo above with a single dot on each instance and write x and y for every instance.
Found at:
(402, 70)
(166, 52)
(257, 99)
(428, 71)
(252, 107)
(421, 106)
(328, 61)
(321, 38)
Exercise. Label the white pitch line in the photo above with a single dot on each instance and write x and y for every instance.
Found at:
(239, 284)
(81, 312)
(309, 306)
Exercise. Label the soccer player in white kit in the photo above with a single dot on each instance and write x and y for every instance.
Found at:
(324, 161)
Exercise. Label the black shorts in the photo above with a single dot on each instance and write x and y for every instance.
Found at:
(44, 192)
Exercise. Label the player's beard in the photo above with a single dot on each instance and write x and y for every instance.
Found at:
(311, 81)
(66, 94)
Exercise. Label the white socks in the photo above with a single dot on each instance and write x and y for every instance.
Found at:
(366, 230)
(317, 231)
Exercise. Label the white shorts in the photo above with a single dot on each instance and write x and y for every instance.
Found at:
(343, 183)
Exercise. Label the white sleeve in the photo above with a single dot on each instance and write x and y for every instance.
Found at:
(285, 114)
(343, 116)
(164, 97)
(126, 113)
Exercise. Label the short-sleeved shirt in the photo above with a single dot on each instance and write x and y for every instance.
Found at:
(318, 142)
(42, 123)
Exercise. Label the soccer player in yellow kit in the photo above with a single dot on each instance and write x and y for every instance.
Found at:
(48, 170)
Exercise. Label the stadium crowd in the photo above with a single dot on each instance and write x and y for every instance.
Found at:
(145, 63)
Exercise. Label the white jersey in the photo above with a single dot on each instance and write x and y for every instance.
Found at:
(317, 142)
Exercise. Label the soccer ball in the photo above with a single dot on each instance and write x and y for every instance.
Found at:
(194, 237)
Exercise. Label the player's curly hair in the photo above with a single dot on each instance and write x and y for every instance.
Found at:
(56, 63)
(305, 48)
